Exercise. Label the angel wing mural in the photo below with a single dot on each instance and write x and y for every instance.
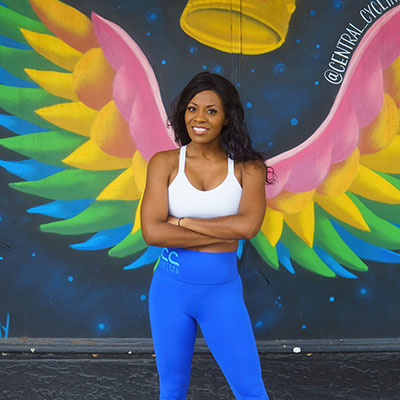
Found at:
(86, 110)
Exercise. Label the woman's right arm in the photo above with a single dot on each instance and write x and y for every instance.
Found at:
(156, 230)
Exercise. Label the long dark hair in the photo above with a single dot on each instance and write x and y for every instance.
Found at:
(234, 137)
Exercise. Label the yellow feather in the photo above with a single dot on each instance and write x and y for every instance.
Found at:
(137, 224)
(74, 117)
(93, 79)
(67, 23)
(272, 225)
(340, 176)
(391, 78)
(111, 132)
(386, 160)
(89, 156)
(342, 208)
(53, 48)
(382, 130)
(121, 188)
(57, 83)
(372, 186)
(139, 166)
(302, 223)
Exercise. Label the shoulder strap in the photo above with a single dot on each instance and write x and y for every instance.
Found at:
(231, 166)
(182, 158)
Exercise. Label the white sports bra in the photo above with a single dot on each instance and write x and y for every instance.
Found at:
(184, 200)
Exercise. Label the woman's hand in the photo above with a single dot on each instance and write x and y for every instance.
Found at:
(172, 220)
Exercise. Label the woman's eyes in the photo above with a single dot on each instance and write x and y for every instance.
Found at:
(210, 110)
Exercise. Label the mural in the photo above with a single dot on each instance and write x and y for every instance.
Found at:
(83, 114)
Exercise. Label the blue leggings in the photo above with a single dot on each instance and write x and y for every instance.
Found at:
(190, 287)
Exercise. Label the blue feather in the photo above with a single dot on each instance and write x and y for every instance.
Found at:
(104, 239)
(7, 42)
(29, 170)
(18, 125)
(239, 251)
(366, 250)
(62, 208)
(10, 80)
(148, 257)
(284, 257)
(332, 264)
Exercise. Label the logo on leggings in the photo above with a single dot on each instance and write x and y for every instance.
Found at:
(167, 263)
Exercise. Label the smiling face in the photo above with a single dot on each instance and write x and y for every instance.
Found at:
(205, 117)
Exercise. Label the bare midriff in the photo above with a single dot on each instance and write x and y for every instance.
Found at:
(217, 247)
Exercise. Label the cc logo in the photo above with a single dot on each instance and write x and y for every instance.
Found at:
(167, 256)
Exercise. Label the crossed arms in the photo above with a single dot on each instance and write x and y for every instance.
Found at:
(160, 229)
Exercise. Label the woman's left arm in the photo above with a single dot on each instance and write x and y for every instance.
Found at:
(247, 222)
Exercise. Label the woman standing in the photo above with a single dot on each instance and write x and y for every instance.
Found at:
(198, 202)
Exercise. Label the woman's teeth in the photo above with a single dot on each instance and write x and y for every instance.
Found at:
(198, 130)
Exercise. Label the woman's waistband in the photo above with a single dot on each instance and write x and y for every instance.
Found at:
(198, 267)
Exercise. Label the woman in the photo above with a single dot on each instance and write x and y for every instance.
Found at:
(197, 207)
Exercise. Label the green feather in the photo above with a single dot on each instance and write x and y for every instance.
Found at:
(156, 264)
(70, 184)
(98, 216)
(265, 250)
(11, 22)
(304, 255)
(16, 60)
(21, 7)
(330, 241)
(383, 233)
(389, 212)
(22, 102)
(132, 244)
(395, 181)
(46, 147)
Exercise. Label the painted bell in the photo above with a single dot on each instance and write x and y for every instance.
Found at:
(238, 26)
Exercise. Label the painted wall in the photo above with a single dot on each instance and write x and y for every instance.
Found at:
(83, 109)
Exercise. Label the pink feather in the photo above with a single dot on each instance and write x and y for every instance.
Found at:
(136, 91)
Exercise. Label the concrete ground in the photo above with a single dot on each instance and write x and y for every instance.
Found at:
(310, 376)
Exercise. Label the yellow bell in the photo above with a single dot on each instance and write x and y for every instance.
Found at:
(238, 26)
